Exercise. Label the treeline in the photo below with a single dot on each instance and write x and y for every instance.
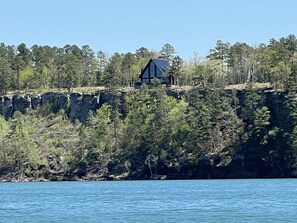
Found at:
(71, 66)
(275, 63)
(150, 133)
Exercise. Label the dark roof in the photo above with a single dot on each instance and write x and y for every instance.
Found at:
(162, 65)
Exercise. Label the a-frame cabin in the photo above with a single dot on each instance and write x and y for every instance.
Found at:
(155, 68)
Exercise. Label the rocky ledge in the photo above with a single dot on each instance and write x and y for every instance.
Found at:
(77, 105)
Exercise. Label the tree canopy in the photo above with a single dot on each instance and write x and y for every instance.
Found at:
(72, 66)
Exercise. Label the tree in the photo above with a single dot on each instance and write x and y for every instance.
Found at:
(89, 66)
(290, 82)
(27, 157)
(199, 119)
(25, 77)
(167, 52)
(213, 123)
(73, 70)
(220, 52)
(70, 68)
(5, 76)
(127, 69)
(113, 75)
(102, 64)
(45, 68)
(252, 101)
(199, 76)
(25, 54)
(240, 54)
(280, 75)
(291, 105)
(176, 70)
(261, 123)
(4, 131)
(143, 52)
(102, 141)
(214, 73)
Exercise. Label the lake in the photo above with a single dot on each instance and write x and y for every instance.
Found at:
(253, 200)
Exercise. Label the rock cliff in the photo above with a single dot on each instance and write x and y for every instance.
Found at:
(250, 161)
(77, 105)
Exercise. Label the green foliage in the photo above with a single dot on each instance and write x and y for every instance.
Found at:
(252, 101)
(27, 155)
(4, 132)
(25, 76)
(213, 123)
(176, 70)
(71, 66)
(152, 132)
(149, 129)
(112, 75)
(5, 76)
(261, 123)
(292, 107)
(167, 52)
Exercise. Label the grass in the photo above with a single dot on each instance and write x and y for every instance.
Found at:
(62, 90)
(244, 86)
(233, 86)
(185, 87)
(126, 89)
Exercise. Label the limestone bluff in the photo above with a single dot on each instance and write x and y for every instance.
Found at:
(76, 105)
(250, 160)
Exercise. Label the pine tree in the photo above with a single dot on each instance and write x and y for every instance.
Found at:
(167, 52)
(176, 70)
(261, 124)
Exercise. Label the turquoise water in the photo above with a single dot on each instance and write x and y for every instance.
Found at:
(273, 200)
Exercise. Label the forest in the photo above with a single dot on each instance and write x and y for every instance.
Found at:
(209, 132)
(45, 67)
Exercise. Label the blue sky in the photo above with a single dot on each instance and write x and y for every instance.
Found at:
(126, 25)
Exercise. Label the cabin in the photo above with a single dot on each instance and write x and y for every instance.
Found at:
(156, 68)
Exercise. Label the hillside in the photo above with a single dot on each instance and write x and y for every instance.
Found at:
(152, 133)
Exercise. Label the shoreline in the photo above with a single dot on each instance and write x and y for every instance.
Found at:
(120, 178)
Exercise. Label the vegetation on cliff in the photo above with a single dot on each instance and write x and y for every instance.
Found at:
(209, 132)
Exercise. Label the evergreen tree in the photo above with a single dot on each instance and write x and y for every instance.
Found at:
(176, 70)
(4, 132)
(5, 76)
(167, 52)
(113, 72)
(102, 64)
(88, 65)
(261, 123)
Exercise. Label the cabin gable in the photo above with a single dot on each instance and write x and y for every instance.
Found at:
(154, 69)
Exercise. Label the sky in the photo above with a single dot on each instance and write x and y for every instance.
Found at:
(126, 25)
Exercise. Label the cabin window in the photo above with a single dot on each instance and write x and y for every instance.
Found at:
(145, 74)
(152, 70)
(159, 74)
(145, 81)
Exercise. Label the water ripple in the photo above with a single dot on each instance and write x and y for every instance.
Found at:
(150, 201)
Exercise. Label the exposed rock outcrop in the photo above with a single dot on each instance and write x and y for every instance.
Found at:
(76, 105)
(250, 162)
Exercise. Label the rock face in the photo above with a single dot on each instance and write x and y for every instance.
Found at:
(248, 163)
(76, 105)
(6, 106)
(80, 105)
